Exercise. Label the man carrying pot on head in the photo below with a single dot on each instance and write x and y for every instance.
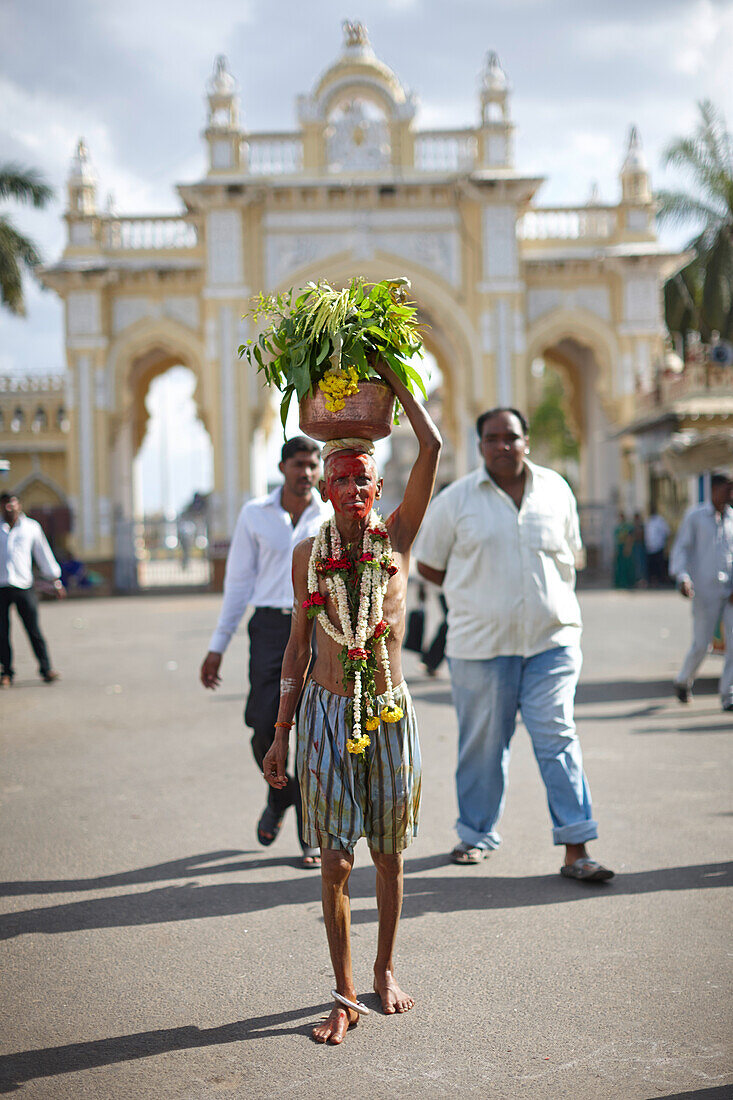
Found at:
(502, 542)
(258, 574)
(358, 754)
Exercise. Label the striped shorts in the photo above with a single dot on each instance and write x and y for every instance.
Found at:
(346, 796)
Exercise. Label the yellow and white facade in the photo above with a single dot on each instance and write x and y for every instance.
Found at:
(356, 189)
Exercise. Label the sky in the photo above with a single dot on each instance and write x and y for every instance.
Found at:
(129, 77)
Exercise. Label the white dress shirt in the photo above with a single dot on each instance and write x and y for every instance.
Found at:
(656, 533)
(703, 550)
(259, 562)
(509, 573)
(20, 546)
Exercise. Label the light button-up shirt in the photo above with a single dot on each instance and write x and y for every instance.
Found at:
(703, 550)
(259, 563)
(20, 546)
(509, 572)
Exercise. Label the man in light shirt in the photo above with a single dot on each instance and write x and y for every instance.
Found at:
(258, 574)
(702, 563)
(22, 542)
(503, 542)
(656, 533)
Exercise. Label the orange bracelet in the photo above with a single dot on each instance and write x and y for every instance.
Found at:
(286, 725)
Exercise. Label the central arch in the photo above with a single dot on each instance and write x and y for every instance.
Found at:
(449, 335)
(144, 352)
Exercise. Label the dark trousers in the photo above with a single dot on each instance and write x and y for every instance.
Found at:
(434, 654)
(657, 568)
(26, 603)
(269, 631)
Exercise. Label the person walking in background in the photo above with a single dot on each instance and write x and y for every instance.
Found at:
(258, 573)
(23, 542)
(638, 553)
(432, 657)
(623, 541)
(656, 533)
(702, 563)
(503, 543)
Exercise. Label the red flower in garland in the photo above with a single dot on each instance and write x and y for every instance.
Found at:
(317, 600)
(380, 628)
(379, 533)
(391, 569)
(367, 556)
(357, 655)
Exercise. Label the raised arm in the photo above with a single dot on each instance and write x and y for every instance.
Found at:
(294, 668)
(405, 521)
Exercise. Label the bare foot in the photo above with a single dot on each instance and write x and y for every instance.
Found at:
(390, 994)
(335, 1027)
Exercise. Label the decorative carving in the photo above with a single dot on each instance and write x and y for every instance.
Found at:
(127, 311)
(289, 251)
(594, 299)
(355, 35)
(83, 313)
(184, 310)
(358, 139)
(642, 302)
(224, 247)
(437, 251)
(500, 242)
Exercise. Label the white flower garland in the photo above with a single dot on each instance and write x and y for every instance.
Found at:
(372, 589)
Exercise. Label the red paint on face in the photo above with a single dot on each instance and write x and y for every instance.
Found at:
(351, 484)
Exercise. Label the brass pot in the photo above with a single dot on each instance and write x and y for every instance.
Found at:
(366, 414)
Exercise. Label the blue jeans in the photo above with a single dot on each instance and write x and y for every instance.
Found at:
(487, 695)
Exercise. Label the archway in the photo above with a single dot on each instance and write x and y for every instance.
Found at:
(450, 339)
(570, 361)
(162, 458)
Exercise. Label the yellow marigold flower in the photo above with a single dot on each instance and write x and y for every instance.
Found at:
(392, 715)
(372, 723)
(357, 745)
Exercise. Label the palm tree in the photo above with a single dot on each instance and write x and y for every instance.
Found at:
(16, 251)
(700, 297)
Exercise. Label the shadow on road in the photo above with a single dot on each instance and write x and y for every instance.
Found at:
(615, 691)
(423, 894)
(16, 1069)
(589, 691)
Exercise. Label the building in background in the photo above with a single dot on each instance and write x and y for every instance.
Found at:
(356, 189)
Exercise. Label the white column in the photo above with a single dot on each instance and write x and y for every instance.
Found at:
(503, 354)
(228, 365)
(86, 453)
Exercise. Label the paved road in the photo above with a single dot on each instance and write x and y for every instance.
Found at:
(152, 950)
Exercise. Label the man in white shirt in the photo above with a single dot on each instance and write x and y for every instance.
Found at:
(656, 533)
(702, 563)
(22, 542)
(258, 574)
(502, 542)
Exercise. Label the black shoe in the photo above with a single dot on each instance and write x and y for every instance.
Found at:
(728, 706)
(683, 694)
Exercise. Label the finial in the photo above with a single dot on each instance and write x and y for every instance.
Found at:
(356, 35)
(494, 76)
(81, 165)
(222, 82)
(635, 160)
